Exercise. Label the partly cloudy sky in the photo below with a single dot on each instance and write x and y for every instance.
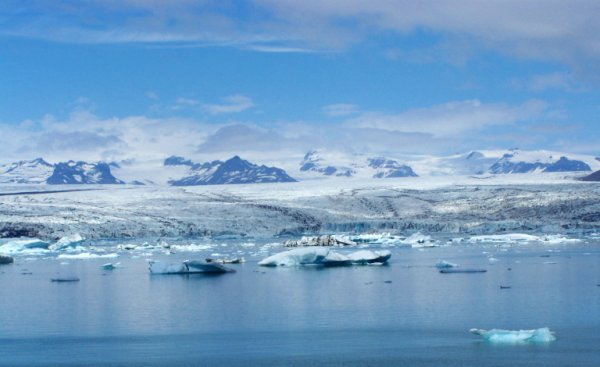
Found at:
(116, 79)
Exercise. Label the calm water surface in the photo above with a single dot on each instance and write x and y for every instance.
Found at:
(305, 316)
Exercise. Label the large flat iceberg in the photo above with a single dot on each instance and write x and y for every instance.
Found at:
(188, 267)
(542, 335)
(68, 242)
(323, 256)
(31, 246)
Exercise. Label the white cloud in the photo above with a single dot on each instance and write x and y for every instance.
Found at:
(567, 31)
(551, 81)
(450, 119)
(232, 104)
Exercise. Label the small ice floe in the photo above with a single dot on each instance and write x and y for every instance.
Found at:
(500, 336)
(323, 256)
(67, 242)
(323, 241)
(493, 260)
(443, 264)
(521, 238)
(464, 271)
(419, 240)
(64, 279)
(86, 256)
(110, 266)
(6, 260)
(237, 260)
(190, 248)
(31, 246)
(188, 267)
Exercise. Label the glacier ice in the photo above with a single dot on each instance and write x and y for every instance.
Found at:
(299, 256)
(67, 242)
(323, 256)
(325, 240)
(29, 246)
(522, 238)
(86, 256)
(443, 264)
(188, 267)
(501, 336)
(6, 260)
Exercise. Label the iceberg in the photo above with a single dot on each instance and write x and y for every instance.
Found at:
(326, 240)
(325, 257)
(419, 240)
(364, 257)
(541, 335)
(110, 266)
(6, 260)
(188, 267)
(30, 246)
(86, 256)
(299, 256)
(66, 242)
(443, 264)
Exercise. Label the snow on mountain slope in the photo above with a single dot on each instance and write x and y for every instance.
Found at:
(72, 172)
(323, 162)
(233, 171)
(35, 171)
(505, 162)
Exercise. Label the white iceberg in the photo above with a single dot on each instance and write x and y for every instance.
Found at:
(299, 256)
(369, 257)
(30, 246)
(323, 256)
(521, 238)
(419, 240)
(188, 267)
(86, 256)
(542, 335)
(325, 240)
(67, 242)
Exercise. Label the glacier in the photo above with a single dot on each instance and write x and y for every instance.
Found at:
(326, 257)
(500, 336)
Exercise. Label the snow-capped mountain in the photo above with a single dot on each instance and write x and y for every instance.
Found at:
(390, 168)
(72, 172)
(314, 162)
(232, 171)
(34, 171)
(505, 162)
(324, 162)
(519, 162)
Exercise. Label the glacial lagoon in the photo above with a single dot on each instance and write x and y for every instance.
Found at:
(405, 313)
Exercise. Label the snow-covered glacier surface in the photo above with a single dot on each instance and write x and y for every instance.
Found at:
(443, 205)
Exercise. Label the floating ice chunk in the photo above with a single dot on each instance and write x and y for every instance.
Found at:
(443, 264)
(66, 242)
(323, 256)
(188, 267)
(466, 271)
(157, 267)
(325, 240)
(419, 240)
(492, 260)
(86, 256)
(30, 246)
(369, 257)
(195, 266)
(542, 335)
(111, 266)
(336, 259)
(521, 238)
(299, 256)
(6, 260)
(190, 248)
(64, 279)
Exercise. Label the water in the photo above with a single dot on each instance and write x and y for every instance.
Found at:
(304, 316)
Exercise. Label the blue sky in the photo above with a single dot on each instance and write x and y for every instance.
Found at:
(118, 79)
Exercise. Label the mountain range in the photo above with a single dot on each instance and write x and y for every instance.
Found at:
(315, 164)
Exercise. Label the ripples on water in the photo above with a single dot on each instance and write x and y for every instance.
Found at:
(306, 316)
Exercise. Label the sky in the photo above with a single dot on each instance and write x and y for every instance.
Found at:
(145, 79)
